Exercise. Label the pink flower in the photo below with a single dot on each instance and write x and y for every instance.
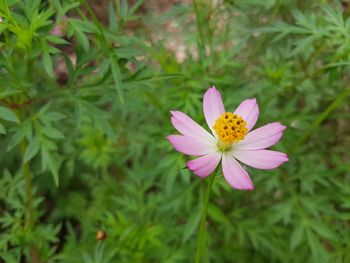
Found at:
(232, 140)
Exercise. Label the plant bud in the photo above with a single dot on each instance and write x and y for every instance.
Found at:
(101, 235)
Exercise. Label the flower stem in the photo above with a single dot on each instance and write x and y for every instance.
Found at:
(202, 229)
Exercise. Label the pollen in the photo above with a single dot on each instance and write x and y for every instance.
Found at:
(230, 128)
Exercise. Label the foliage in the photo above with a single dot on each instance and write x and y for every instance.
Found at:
(83, 149)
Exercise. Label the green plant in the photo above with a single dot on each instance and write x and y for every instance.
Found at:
(84, 116)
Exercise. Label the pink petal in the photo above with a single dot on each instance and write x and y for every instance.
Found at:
(213, 107)
(261, 159)
(186, 126)
(249, 111)
(262, 137)
(235, 174)
(205, 165)
(191, 146)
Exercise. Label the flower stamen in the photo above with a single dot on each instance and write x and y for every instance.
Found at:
(230, 128)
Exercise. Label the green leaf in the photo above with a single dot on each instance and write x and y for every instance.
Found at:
(2, 129)
(25, 130)
(192, 225)
(32, 149)
(47, 61)
(8, 115)
(124, 9)
(296, 236)
(44, 109)
(313, 242)
(127, 52)
(216, 214)
(135, 7)
(52, 133)
(112, 18)
(54, 116)
(106, 128)
(79, 27)
(323, 230)
(49, 161)
(70, 67)
(56, 40)
(83, 40)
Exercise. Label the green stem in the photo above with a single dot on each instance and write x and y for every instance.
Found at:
(201, 37)
(202, 229)
(29, 220)
(29, 193)
(27, 181)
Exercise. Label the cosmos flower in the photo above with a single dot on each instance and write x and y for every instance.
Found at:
(231, 141)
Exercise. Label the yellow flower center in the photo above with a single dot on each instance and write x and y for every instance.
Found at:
(230, 128)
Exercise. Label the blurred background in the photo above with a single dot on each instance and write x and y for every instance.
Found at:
(85, 93)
